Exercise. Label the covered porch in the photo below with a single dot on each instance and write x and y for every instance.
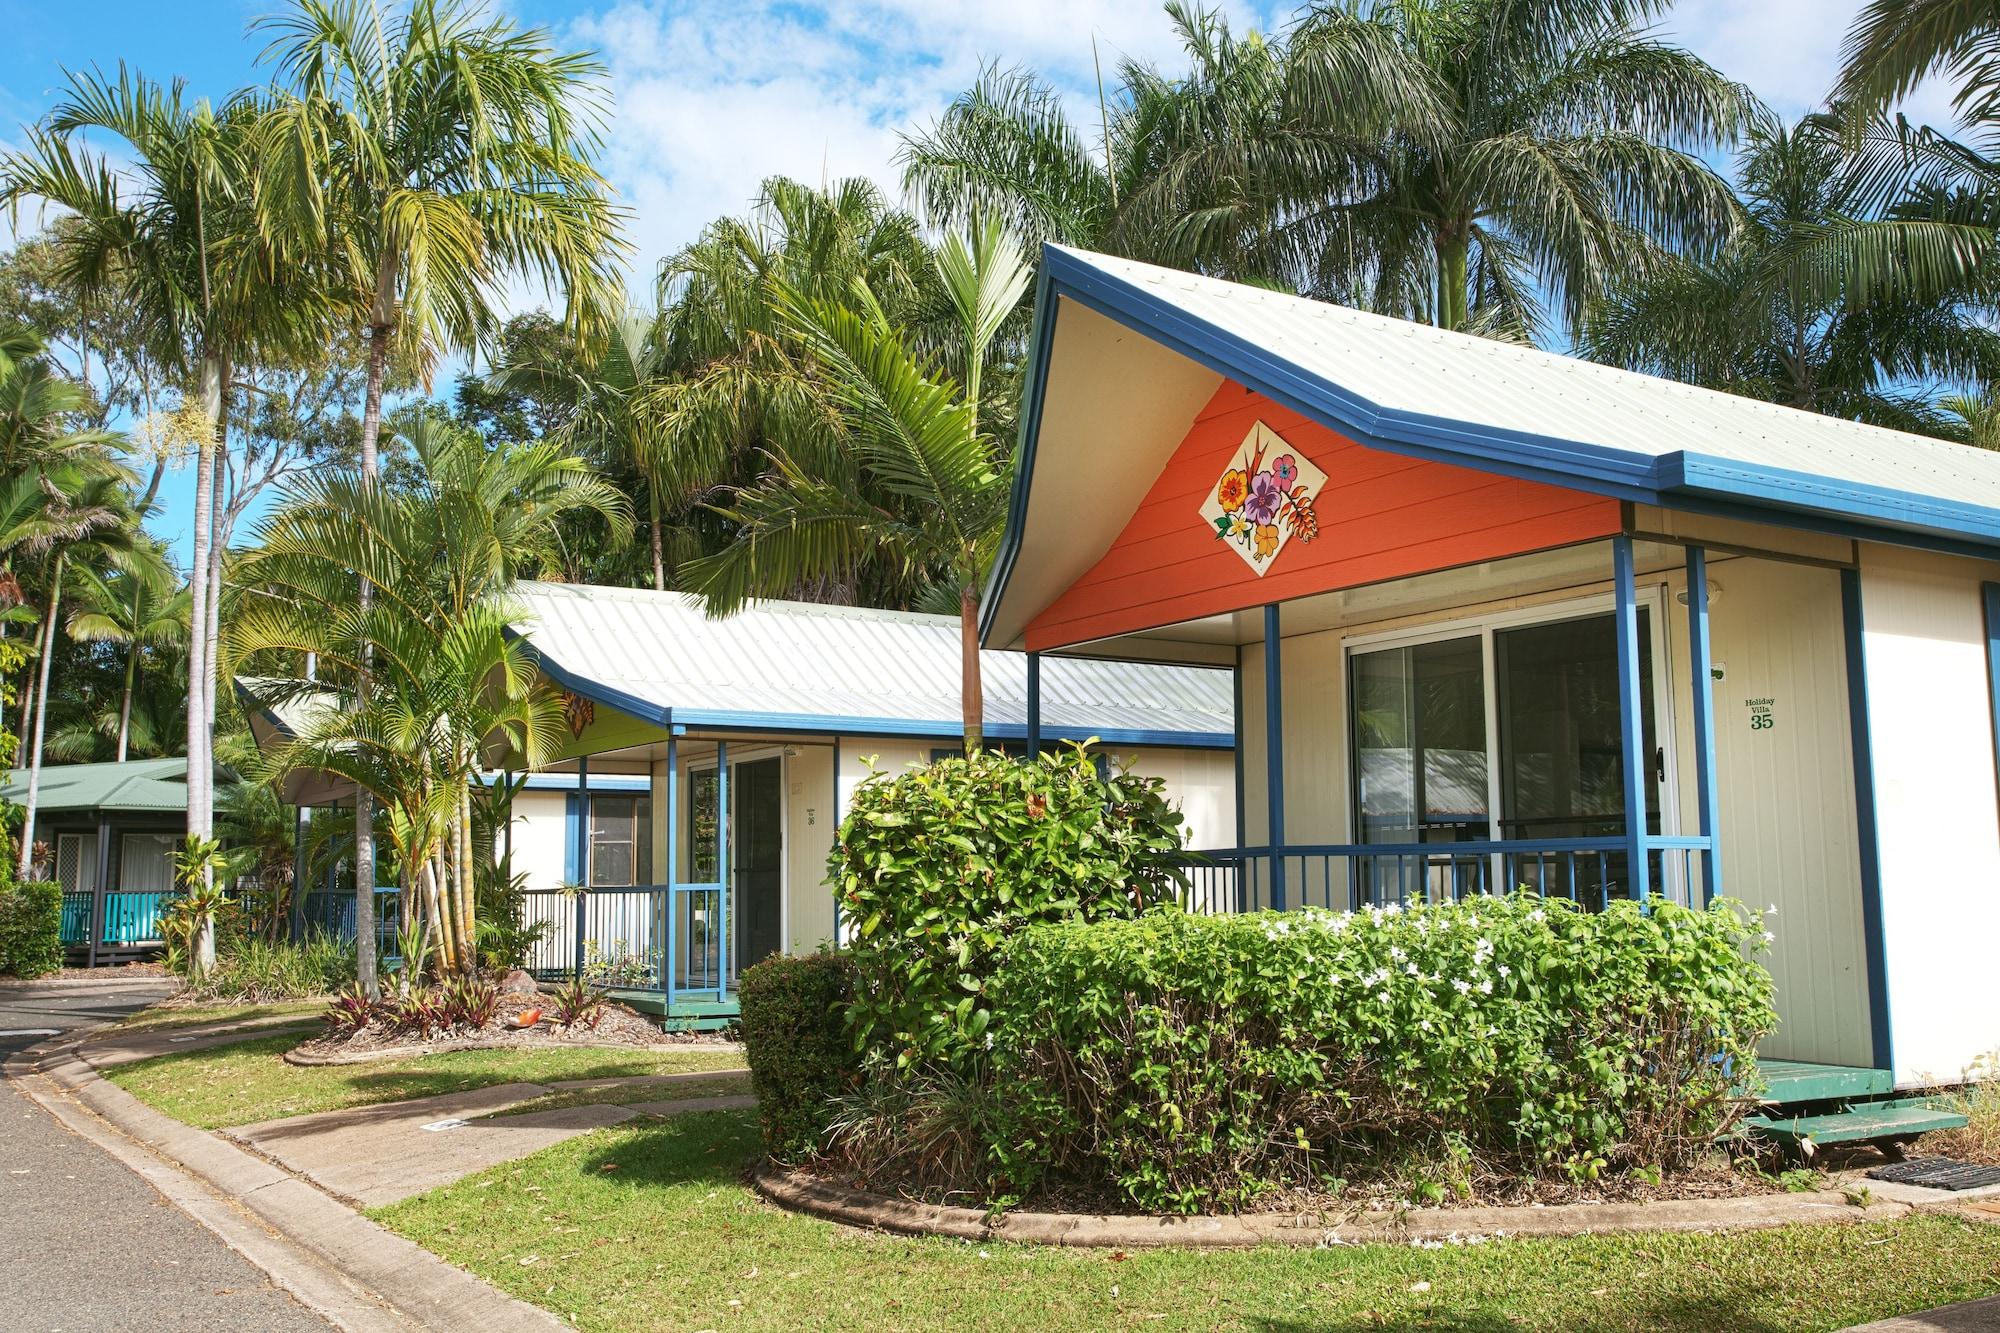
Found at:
(1499, 619)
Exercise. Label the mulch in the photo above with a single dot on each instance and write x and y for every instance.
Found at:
(619, 1027)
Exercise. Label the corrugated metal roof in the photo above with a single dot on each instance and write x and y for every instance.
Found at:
(805, 666)
(1449, 382)
(137, 784)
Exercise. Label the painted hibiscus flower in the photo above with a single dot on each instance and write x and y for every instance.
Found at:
(1267, 540)
(1229, 492)
(1262, 505)
(1286, 469)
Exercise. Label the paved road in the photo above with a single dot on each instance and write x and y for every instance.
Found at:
(87, 1245)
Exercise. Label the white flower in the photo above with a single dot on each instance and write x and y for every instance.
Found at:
(1486, 987)
(1769, 938)
(1461, 985)
(1506, 971)
(1410, 968)
(1425, 1025)
(1537, 915)
(1772, 910)
(1396, 953)
(1383, 997)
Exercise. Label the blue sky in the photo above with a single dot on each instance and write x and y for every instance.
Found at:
(714, 95)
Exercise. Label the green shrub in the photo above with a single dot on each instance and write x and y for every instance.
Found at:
(30, 927)
(249, 968)
(795, 1034)
(938, 867)
(1192, 1062)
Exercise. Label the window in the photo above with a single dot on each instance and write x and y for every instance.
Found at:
(145, 863)
(620, 841)
(1448, 750)
(1419, 723)
(76, 862)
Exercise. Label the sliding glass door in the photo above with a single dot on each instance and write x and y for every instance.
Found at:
(1507, 730)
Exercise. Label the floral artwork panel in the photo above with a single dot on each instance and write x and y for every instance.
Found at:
(1264, 499)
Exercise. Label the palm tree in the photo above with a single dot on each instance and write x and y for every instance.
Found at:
(168, 235)
(136, 607)
(1559, 148)
(83, 512)
(426, 157)
(606, 426)
(1759, 318)
(449, 688)
(916, 482)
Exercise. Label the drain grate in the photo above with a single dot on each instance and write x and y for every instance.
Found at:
(1938, 1173)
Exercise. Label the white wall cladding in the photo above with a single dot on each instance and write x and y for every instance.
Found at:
(1786, 792)
(1939, 816)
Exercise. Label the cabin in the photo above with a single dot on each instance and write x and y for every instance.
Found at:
(111, 831)
(1498, 618)
(683, 832)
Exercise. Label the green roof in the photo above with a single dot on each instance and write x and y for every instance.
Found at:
(138, 784)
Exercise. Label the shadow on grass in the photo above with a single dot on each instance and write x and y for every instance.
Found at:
(695, 1148)
(1731, 1311)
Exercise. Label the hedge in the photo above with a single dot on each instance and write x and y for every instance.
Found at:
(1190, 1062)
(795, 1034)
(937, 867)
(30, 928)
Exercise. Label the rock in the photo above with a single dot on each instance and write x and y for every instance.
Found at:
(518, 982)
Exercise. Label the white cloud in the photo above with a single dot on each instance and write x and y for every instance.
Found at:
(1788, 51)
(712, 97)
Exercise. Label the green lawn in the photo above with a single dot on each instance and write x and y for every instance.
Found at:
(193, 1015)
(650, 1227)
(245, 1082)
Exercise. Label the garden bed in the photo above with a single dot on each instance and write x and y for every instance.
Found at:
(1297, 1219)
(617, 1027)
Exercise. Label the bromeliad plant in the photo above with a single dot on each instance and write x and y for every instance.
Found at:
(937, 868)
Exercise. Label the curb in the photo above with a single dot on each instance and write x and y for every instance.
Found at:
(804, 1194)
(352, 1272)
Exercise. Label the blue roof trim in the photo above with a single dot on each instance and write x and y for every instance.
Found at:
(1786, 487)
(1678, 480)
(630, 704)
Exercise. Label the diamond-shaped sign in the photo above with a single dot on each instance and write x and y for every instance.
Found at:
(1264, 499)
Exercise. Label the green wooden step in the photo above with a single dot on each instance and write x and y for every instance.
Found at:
(1787, 1082)
(1871, 1120)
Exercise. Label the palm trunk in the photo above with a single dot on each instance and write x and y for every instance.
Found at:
(1452, 250)
(364, 803)
(972, 694)
(213, 386)
(210, 665)
(41, 720)
(125, 699)
(659, 558)
(467, 887)
(28, 696)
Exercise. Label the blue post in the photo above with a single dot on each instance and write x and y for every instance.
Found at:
(1867, 831)
(1631, 730)
(1034, 705)
(673, 865)
(722, 821)
(836, 834)
(1274, 754)
(1700, 662)
(582, 854)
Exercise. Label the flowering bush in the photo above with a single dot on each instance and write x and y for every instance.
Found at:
(1191, 1062)
(938, 867)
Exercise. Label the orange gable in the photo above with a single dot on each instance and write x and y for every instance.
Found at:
(1381, 516)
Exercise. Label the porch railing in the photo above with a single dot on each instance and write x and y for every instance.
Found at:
(129, 918)
(623, 937)
(1350, 876)
(333, 914)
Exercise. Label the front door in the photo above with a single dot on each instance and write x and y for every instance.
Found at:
(756, 798)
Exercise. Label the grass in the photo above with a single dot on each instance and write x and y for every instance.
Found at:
(245, 1082)
(649, 1227)
(722, 1085)
(191, 1015)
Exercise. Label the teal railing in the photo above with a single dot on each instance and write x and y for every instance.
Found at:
(129, 918)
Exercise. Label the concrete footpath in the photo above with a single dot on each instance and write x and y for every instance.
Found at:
(375, 1155)
(271, 1251)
